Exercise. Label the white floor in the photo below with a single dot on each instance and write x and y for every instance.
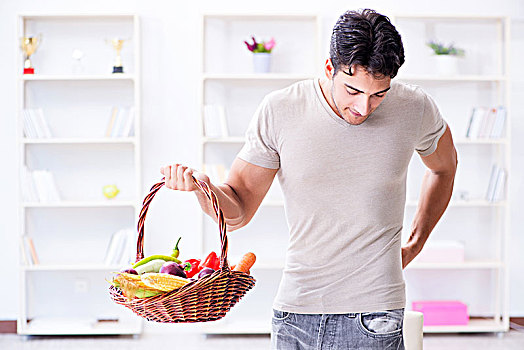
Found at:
(192, 341)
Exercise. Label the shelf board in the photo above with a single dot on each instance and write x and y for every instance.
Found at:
(473, 265)
(74, 326)
(474, 326)
(260, 16)
(254, 76)
(72, 77)
(467, 204)
(457, 78)
(224, 327)
(79, 140)
(480, 141)
(80, 204)
(78, 267)
(232, 139)
(454, 17)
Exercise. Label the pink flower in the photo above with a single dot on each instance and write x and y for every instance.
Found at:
(270, 44)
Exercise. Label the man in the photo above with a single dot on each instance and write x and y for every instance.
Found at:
(341, 148)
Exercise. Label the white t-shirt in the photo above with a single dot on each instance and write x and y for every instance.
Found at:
(344, 190)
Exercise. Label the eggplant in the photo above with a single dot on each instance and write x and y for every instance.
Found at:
(130, 270)
(205, 271)
(173, 268)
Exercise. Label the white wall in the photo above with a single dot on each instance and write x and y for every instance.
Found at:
(171, 45)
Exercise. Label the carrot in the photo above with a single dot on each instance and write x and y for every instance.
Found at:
(246, 262)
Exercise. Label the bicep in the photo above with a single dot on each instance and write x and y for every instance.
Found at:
(250, 183)
(444, 158)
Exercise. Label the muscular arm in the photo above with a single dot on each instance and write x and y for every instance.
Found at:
(437, 186)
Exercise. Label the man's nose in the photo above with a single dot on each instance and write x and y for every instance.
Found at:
(363, 106)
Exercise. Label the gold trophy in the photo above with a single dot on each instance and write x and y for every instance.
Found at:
(29, 45)
(117, 45)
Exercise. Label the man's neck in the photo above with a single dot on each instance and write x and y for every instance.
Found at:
(325, 87)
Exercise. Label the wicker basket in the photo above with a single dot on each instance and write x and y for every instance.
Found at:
(206, 299)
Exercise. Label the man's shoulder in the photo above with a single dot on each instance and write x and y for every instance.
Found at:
(404, 90)
(295, 92)
(404, 94)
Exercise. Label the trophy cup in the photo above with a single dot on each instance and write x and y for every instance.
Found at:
(117, 45)
(29, 45)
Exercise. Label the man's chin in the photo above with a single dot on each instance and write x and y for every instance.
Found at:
(356, 121)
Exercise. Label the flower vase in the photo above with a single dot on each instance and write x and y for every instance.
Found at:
(261, 62)
(446, 65)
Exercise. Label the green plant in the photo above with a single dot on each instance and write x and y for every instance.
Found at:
(441, 49)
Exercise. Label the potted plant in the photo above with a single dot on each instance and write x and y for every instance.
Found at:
(446, 57)
(261, 54)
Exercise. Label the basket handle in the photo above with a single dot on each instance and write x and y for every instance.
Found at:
(204, 187)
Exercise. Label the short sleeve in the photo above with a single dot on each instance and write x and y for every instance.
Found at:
(260, 147)
(432, 128)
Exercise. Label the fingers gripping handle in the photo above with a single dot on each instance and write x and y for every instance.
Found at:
(204, 187)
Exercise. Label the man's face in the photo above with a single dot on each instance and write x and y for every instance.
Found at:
(355, 97)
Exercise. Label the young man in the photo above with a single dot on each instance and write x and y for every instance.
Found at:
(341, 148)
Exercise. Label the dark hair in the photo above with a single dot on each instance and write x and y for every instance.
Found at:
(368, 39)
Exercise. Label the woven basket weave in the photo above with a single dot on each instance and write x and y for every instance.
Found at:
(206, 299)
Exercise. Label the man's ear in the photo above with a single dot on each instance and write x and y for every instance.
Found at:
(329, 69)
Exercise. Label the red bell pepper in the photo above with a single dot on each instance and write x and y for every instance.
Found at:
(212, 261)
(193, 268)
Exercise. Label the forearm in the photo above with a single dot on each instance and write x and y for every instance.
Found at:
(435, 195)
(229, 204)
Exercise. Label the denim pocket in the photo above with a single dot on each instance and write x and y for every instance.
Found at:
(381, 323)
(280, 315)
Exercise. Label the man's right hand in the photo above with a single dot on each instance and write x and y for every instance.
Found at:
(179, 177)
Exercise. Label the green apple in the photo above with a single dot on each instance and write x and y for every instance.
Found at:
(110, 191)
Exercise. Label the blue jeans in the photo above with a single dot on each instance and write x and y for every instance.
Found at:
(370, 330)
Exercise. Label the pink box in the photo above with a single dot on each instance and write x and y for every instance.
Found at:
(442, 313)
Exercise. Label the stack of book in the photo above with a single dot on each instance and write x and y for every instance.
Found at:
(121, 122)
(35, 125)
(39, 186)
(497, 184)
(122, 248)
(215, 121)
(486, 122)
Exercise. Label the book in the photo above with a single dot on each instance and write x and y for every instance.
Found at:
(35, 124)
(497, 184)
(45, 186)
(115, 244)
(129, 253)
(498, 126)
(41, 121)
(491, 183)
(29, 193)
(28, 127)
(476, 122)
(500, 186)
(109, 129)
(32, 250)
(128, 125)
(121, 248)
(486, 122)
(215, 121)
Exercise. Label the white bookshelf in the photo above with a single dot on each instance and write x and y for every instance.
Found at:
(227, 79)
(66, 293)
(482, 280)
